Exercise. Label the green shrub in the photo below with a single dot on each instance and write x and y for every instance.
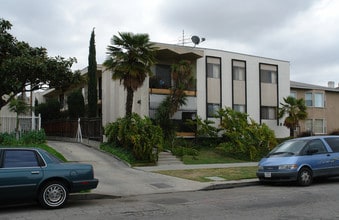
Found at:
(137, 135)
(181, 151)
(76, 105)
(26, 138)
(243, 137)
(8, 139)
(120, 152)
(33, 137)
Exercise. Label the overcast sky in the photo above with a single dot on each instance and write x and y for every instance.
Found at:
(304, 32)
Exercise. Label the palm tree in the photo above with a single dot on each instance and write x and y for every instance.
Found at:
(182, 76)
(183, 79)
(131, 57)
(19, 106)
(295, 109)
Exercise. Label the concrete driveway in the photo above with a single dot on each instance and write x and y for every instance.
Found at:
(118, 179)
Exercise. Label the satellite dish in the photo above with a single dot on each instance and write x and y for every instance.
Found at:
(195, 39)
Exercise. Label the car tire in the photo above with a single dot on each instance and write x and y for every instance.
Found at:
(305, 177)
(53, 195)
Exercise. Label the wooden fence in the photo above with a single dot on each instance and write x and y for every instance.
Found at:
(90, 128)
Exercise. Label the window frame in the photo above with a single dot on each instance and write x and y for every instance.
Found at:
(162, 73)
(270, 109)
(239, 108)
(30, 164)
(322, 101)
(215, 107)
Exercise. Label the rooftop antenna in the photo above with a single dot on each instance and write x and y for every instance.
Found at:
(193, 39)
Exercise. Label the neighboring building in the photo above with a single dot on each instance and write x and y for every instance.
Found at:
(251, 84)
(61, 96)
(322, 107)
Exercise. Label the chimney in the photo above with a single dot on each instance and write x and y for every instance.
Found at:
(330, 84)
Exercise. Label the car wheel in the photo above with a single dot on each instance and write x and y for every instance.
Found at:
(305, 177)
(53, 195)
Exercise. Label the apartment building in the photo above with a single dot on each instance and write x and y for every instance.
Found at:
(322, 107)
(251, 84)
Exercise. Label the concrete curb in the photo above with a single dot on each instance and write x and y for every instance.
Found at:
(231, 184)
(91, 196)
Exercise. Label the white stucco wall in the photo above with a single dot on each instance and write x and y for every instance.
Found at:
(252, 82)
(114, 95)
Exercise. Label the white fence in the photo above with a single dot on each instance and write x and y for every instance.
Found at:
(26, 123)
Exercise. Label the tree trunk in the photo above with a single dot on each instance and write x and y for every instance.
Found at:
(292, 132)
(129, 101)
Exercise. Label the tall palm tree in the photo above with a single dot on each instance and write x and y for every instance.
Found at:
(131, 57)
(296, 111)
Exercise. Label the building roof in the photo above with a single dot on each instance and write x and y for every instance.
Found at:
(299, 85)
(197, 52)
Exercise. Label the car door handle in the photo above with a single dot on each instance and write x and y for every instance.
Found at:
(35, 172)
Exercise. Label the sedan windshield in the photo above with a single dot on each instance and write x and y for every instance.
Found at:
(292, 147)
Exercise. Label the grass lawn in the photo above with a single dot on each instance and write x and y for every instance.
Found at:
(208, 156)
(201, 175)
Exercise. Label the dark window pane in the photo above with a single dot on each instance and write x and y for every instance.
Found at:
(162, 77)
(334, 143)
(20, 158)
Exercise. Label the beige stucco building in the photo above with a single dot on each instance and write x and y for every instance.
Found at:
(322, 107)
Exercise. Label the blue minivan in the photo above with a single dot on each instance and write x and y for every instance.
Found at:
(301, 160)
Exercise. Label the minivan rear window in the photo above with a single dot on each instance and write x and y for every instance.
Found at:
(334, 143)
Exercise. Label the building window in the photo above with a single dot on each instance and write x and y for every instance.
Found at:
(293, 94)
(213, 68)
(268, 73)
(162, 77)
(319, 100)
(239, 108)
(268, 76)
(308, 125)
(314, 99)
(238, 73)
(308, 99)
(268, 113)
(212, 109)
(319, 126)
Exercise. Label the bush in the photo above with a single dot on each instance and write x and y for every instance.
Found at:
(137, 135)
(181, 147)
(26, 138)
(335, 132)
(49, 110)
(243, 137)
(76, 105)
(8, 139)
(33, 137)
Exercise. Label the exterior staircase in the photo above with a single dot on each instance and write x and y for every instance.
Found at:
(167, 158)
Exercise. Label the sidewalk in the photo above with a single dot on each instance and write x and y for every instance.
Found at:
(170, 162)
(197, 166)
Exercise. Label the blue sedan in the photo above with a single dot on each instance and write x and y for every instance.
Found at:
(301, 160)
(34, 174)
